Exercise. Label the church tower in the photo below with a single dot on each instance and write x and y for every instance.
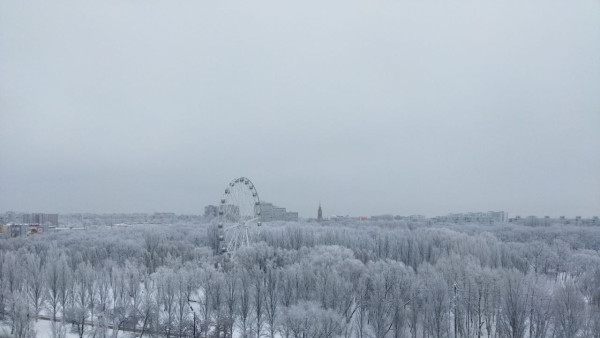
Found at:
(319, 213)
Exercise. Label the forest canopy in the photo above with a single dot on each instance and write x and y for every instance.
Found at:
(305, 279)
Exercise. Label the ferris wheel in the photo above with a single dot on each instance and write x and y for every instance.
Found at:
(238, 212)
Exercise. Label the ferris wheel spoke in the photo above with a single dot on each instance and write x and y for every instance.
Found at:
(239, 208)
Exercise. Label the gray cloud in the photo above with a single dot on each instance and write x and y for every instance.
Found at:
(369, 107)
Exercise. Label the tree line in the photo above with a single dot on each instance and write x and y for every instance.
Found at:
(301, 280)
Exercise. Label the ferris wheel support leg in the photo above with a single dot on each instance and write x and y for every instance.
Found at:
(236, 241)
(233, 242)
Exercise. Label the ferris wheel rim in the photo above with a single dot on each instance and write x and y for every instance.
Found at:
(240, 208)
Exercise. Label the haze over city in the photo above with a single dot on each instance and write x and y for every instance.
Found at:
(386, 107)
(314, 169)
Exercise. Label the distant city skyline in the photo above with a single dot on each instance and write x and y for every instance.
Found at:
(506, 216)
(387, 107)
(327, 212)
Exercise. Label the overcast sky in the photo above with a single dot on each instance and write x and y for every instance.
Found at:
(369, 107)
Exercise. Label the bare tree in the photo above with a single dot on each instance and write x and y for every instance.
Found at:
(120, 300)
(77, 312)
(34, 274)
(415, 308)
(435, 301)
(166, 293)
(539, 304)
(149, 309)
(59, 329)
(568, 310)
(513, 311)
(154, 250)
(133, 277)
(103, 291)
(217, 302)
(20, 314)
(182, 305)
(271, 285)
(383, 277)
(258, 299)
(308, 319)
(210, 283)
(363, 298)
(55, 275)
(245, 284)
(231, 301)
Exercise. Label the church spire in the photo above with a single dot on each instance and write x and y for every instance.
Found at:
(319, 213)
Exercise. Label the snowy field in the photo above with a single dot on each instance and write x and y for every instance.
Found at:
(41, 329)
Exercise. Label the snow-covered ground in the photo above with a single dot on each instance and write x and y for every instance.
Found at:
(43, 329)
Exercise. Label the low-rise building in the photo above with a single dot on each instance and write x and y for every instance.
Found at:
(474, 217)
(40, 218)
(270, 212)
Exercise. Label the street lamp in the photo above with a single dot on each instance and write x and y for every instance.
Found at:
(194, 315)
